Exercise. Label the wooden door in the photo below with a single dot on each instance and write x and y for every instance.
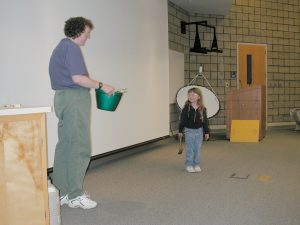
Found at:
(251, 64)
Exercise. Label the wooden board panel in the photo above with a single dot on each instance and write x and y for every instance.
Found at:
(246, 104)
(23, 175)
(244, 131)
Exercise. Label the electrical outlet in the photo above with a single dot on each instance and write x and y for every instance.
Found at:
(227, 84)
(233, 75)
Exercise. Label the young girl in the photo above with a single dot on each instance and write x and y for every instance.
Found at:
(194, 123)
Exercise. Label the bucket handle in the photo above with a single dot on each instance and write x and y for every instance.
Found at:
(122, 90)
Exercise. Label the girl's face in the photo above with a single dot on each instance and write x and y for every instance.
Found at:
(193, 97)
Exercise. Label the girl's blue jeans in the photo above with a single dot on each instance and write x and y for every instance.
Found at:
(193, 143)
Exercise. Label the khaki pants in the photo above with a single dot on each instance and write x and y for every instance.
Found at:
(73, 150)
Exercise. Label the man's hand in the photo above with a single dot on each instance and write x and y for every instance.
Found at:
(108, 89)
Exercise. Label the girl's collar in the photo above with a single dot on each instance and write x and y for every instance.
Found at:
(197, 106)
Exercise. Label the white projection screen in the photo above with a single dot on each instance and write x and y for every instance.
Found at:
(128, 49)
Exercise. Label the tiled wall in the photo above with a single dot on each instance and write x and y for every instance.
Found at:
(275, 23)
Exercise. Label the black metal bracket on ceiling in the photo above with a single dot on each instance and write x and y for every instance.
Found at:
(197, 44)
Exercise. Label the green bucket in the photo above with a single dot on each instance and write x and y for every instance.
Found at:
(107, 102)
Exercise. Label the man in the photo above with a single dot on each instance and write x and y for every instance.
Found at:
(72, 104)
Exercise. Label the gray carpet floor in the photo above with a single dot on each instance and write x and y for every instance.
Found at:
(240, 184)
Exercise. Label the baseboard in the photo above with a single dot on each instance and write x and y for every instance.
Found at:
(217, 127)
(120, 150)
(223, 127)
(211, 127)
(280, 124)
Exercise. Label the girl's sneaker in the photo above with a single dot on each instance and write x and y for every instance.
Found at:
(197, 169)
(190, 169)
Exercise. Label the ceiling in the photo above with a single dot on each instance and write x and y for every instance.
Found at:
(216, 7)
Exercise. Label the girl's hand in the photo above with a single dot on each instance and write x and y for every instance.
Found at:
(206, 137)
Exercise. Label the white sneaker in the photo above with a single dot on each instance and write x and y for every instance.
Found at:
(197, 169)
(64, 200)
(83, 202)
(190, 169)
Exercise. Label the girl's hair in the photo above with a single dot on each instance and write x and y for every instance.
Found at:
(76, 26)
(200, 100)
